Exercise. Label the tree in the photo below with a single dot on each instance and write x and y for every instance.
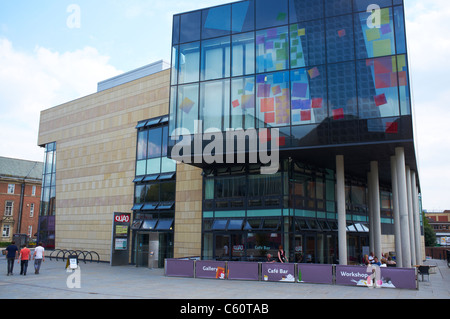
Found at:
(430, 235)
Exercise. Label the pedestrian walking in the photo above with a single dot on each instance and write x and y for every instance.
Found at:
(11, 256)
(39, 257)
(24, 257)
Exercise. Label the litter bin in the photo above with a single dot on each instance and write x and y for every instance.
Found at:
(72, 262)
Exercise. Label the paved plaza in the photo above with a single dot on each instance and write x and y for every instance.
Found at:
(101, 281)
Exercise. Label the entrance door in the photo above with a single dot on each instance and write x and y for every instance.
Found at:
(229, 246)
(153, 250)
(310, 248)
(142, 240)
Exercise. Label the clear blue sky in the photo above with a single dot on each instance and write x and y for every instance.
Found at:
(45, 62)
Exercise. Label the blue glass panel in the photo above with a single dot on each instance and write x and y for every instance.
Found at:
(243, 102)
(337, 7)
(374, 39)
(398, 2)
(362, 5)
(271, 13)
(377, 87)
(190, 26)
(308, 95)
(216, 21)
(272, 49)
(215, 105)
(342, 101)
(403, 85)
(176, 30)
(174, 70)
(304, 10)
(172, 108)
(272, 99)
(340, 45)
(387, 128)
(400, 34)
(307, 43)
(154, 143)
(215, 58)
(243, 54)
(189, 62)
(243, 16)
(187, 106)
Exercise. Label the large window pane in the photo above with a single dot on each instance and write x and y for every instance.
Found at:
(243, 54)
(215, 104)
(187, 106)
(189, 62)
(168, 192)
(340, 45)
(243, 16)
(153, 166)
(361, 5)
(400, 33)
(308, 95)
(216, 21)
(215, 58)
(273, 107)
(141, 167)
(377, 40)
(152, 193)
(272, 49)
(307, 43)
(190, 27)
(271, 13)
(154, 142)
(168, 165)
(303, 10)
(377, 87)
(342, 91)
(337, 7)
(139, 194)
(403, 84)
(243, 103)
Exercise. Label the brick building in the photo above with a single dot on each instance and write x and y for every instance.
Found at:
(20, 195)
(440, 222)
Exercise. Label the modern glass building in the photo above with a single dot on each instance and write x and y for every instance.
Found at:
(332, 77)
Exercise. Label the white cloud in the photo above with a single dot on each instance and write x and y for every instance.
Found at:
(429, 53)
(30, 83)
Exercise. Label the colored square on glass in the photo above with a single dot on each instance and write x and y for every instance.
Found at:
(281, 54)
(281, 141)
(259, 39)
(402, 79)
(278, 78)
(382, 81)
(281, 16)
(299, 89)
(267, 104)
(386, 28)
(263, 90)
(317, 103)
(383, 65)
(314, 72)
(373, 34)
(382, 47)
(300, 104)
(391, 127)
(338, 114)
(187, 105)
(272, 33)
(380, 99)
(248, 101)
(301, 32)
(306, 115)
(269, 45)
(235, 103)
(261, 79)
(276, 90)
(296, 117)
(384, 16)
(249, 87)
(341, 33)
(269, 117)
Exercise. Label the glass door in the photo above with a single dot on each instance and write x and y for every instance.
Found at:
(222, 249)
(142, 247)
(310, 248)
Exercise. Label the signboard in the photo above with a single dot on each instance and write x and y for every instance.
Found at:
(210, 269)
(120, 239)
(315, 273)
(241, 270)
(278, 272)
(179, 268)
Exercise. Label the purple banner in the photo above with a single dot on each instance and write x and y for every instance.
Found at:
(389, 277)
(179, 268)
(243, 270)
(278, 272)
(315, 273)
(210, 269)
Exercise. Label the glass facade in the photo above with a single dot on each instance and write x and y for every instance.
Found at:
(326, 73)
(291, 63)
(46, 227)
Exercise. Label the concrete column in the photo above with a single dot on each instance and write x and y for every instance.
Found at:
(340, 199)
(410, 216)
(375, 194)
(403, 206)
(397, 231)
(416, 212)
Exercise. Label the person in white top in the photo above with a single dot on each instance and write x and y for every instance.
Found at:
(39, 257)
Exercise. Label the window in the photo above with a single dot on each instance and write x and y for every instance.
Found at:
(33, 190)
(31, 210)
(11, 188)
(30, 231)
(9, 208)
(6, 231)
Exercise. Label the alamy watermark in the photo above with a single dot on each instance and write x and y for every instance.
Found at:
(215, 146)
(74, 19)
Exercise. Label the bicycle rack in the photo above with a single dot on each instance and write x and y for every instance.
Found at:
(78, 253)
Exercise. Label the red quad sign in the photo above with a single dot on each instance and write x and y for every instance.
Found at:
(122, 218)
